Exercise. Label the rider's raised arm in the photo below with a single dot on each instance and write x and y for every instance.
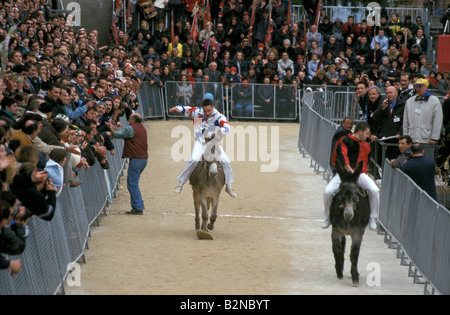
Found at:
(188, 111)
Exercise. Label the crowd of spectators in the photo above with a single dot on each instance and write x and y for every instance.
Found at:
(231, 50)
(60, 94)
(333, 53)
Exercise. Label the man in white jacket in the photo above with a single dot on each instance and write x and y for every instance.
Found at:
(205, 118)
(422, 119)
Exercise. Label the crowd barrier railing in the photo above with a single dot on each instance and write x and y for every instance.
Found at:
(237, 101)
(360, 13)
(191, 94)
(419, 227)
(335, 102)
(151, 99)
(53, 247)
(316, 134)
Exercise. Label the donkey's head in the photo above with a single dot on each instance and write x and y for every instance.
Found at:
(349, 190)
(211, 157)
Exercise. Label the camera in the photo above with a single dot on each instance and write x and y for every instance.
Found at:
(17, 211)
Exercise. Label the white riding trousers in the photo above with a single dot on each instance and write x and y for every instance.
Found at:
(365, 182)
(196, 156)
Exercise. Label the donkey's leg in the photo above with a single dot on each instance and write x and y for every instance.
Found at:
(215, 205)
(338, 241)
(354, 255)
(205, 216)
(203, 233)
(197, 210)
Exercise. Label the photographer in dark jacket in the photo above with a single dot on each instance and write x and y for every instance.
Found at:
(35, 191)
(13, 266)
(87, 150)
(13, 236)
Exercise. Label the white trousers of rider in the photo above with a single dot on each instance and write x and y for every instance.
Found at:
(365, 182)
(196, 156)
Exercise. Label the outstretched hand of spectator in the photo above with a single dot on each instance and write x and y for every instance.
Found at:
(15, 266)
(5, 162)
(73, 149)
(49, 185)
(84, 163)
(111, 126)
(39, 177)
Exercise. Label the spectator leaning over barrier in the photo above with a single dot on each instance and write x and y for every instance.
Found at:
(15, 231)
(13, 266)
(55, 168)
(404, 146)
(135, 149)
(423, 115)
(421, 170)
(35, 191)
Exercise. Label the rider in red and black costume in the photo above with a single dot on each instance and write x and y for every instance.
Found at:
(349, 151)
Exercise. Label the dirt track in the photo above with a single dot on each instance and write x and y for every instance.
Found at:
(267, 241)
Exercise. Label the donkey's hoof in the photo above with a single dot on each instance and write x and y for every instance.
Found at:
(356, 283)
(204, 235)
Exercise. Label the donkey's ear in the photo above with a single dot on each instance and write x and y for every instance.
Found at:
(340, 169)
(358, 169)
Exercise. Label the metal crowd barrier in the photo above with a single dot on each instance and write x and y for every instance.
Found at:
(152, 101)
(332, 102)
(360, 13)
(337, 102)
(419, 227)
(191, 94)
(263, 101)
(282, 102)
(316, 134)
(52, 247)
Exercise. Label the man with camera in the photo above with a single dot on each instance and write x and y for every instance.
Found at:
(12, 231)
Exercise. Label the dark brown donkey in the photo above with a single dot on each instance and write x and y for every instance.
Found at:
(349, 215)
(207, 182)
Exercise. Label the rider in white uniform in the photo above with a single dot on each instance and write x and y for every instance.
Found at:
(205, 118)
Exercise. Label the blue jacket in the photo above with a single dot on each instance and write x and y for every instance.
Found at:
(56, 174)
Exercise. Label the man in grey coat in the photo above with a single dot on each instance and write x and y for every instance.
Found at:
(422, 118)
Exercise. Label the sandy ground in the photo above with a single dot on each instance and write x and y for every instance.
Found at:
(267, 241)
